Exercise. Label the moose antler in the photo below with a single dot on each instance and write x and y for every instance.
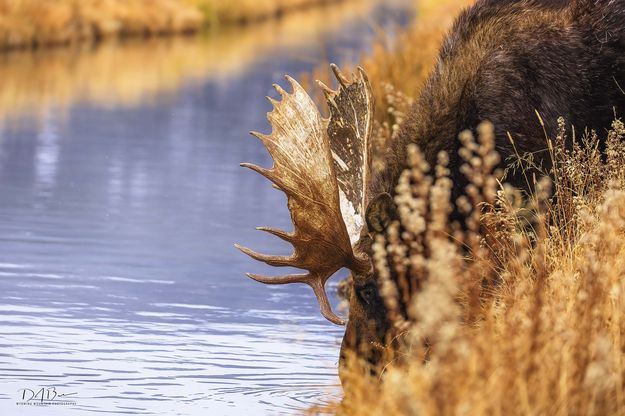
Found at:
(349, 129)
(305, 171)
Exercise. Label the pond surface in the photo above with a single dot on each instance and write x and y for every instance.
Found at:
(120, 200)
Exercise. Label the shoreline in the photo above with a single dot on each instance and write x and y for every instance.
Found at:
(126, 71)
(31, 26)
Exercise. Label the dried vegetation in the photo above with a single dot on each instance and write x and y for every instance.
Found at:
(38, 23)
(521, 312)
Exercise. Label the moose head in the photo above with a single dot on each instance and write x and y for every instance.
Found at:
(322, 165)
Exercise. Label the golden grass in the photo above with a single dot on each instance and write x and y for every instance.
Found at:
(26, 23)
(522, 313)
(245, 11)
(36, 23)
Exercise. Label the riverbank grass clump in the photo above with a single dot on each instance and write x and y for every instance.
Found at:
(521, 311)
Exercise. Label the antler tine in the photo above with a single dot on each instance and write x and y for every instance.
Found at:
(310, 280)
(343, 80)
(262, 137)
(294, 84)
(324, 303)
(327, 91)
(280, 90)
(267, 173)
(273, 101)
(278, 261)
(278, 280)
(278, 233)
(363, 74)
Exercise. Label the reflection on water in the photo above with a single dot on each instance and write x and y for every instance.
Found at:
(127, 73)
(119, 205)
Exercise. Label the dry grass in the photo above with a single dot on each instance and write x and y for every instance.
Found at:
(519, 313)
(36, 23)
(245, 11)
(27, 23)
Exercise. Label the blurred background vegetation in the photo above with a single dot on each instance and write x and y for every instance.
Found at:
(36, 23)
(59, 52)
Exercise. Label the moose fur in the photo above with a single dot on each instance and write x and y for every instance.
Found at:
(505, 60)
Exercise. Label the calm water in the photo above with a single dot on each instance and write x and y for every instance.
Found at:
(119, 283)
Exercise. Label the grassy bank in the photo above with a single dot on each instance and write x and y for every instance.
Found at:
(35, 23)
(521, 314)
(127, 73)
(246, 11)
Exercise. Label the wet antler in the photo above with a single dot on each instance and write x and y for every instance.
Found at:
(304, 169)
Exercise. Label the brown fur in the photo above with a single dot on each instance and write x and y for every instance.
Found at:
(502, 61)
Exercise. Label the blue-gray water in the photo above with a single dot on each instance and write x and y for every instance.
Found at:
(119, 283)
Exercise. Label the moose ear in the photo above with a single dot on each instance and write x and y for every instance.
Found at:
(380, 212)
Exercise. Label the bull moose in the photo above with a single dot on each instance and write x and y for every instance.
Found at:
(502, 61)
